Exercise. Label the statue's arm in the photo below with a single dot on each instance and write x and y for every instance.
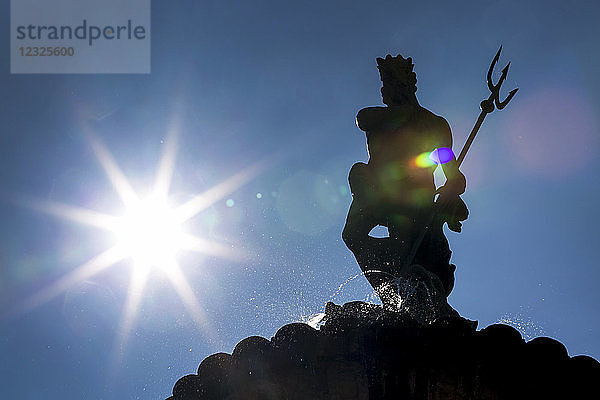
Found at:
(371, 118)
(455, 180)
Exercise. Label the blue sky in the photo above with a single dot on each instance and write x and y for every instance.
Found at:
(280, 83)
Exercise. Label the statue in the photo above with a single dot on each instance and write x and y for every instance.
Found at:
(396, 188)
(393, 191)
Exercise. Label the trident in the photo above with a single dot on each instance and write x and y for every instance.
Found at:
(487, 106)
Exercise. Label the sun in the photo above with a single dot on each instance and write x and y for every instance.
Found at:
(150, 233)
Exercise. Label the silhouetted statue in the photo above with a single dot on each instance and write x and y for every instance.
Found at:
(396, 189)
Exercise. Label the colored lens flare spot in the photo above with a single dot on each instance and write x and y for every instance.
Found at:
(423, 160)
(441, 155)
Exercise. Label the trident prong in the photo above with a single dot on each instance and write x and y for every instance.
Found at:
(495, 89)
(502, 104)
(491, 85)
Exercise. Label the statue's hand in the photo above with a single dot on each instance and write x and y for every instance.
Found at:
(451, 208)
(451, 188)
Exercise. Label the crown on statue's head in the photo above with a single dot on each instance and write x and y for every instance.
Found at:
(393, 69)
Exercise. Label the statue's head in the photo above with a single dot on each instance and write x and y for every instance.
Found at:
(399, 80)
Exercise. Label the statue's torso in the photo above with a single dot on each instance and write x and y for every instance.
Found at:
(396, 137)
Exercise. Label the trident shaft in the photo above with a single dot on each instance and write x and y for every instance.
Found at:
(487, 106)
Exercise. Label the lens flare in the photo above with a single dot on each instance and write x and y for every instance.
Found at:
(553, 134)
(441, 155)
(423, 160)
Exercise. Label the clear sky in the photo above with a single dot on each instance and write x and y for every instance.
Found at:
(279, 84)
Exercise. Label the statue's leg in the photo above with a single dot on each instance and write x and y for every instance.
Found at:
(434, 254)
(377, 257)
(359, 221)
(372, 254)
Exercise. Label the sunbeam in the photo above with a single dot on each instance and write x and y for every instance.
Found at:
(214, 194)
(114, 173)
(166, 166)
(186, 293)
(92, 267)
(196, 244)
(76, 214)
(139, 277)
